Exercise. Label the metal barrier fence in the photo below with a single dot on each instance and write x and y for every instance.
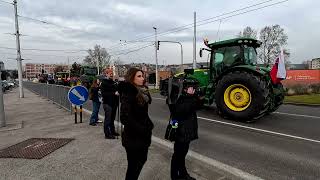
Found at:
(56, 93)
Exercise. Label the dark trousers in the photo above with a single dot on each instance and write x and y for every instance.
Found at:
(95, 112)
(113, 116)
(136, 159)
(108, 126)
(178, 165)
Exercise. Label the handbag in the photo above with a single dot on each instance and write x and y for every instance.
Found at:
(171, 131)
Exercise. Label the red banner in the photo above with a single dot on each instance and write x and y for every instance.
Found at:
(305, 77)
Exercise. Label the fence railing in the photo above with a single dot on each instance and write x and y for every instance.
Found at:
(56, 93)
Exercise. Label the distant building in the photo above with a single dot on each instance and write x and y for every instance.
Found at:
(33, 70)
(2, 66)
(298, 66)
(309, 63)
(315, 63)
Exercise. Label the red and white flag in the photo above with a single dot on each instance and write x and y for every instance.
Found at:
(281, 74)
(278, 71)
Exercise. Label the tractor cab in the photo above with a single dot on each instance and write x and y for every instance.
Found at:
(230, 53)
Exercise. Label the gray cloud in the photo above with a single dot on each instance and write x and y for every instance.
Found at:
(106, 22)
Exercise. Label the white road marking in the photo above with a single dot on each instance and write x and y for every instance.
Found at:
(282, 113)
(219, 165)
(261, 130)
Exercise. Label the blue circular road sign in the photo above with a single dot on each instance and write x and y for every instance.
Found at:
(78, 95)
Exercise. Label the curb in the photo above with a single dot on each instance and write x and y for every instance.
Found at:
(301, 104)
(214, 163)
(12, 127)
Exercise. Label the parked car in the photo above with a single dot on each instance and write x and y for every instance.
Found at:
(6, 85)
(3, 88)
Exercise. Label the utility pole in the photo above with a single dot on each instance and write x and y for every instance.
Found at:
(156, 56)
(98, 66)
(194, 41)
(69, 67)
(19, 60)
(2, 115)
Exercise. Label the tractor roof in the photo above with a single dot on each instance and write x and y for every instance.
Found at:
(236, 41)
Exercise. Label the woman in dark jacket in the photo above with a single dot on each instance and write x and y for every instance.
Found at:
(94, 96)
(136, 137)
(184, 112)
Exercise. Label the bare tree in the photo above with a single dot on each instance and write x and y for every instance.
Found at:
(98, 54)
(273, 38)
(75, 70)
(248, 32)
(58, 68)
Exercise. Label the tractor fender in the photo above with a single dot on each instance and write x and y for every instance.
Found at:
(245, 68)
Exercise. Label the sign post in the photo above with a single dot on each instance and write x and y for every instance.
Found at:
(78, 95)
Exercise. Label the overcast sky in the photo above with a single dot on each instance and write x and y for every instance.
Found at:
(107, 22)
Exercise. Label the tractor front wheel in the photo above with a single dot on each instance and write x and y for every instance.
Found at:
(242, 96)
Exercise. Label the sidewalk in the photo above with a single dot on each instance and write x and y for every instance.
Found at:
(89, 156)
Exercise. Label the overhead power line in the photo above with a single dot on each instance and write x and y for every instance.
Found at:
(227, 17)
(57, 25)
(199, 23)
(54, 50)
(127, 49)
(221, 15)
(6, 2)
(125, 53)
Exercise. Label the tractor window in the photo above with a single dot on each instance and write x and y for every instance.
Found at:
(250, 55)
(218, 57)
(227, 55)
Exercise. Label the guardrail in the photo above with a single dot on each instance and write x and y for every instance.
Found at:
(56, 93)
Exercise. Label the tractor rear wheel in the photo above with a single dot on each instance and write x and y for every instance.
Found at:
(242, 96)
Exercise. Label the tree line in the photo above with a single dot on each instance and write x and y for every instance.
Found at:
(273, 38)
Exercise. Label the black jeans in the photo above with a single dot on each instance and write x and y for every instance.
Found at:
(136, 159)
(108, 121)
(178, 165)
(113, 117)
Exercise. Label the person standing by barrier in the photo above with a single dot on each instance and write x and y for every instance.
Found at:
(184, 118)
(94, 97)
(115, 105)
(109, 96)
(136, 137)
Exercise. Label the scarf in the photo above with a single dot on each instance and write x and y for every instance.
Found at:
(143, 95)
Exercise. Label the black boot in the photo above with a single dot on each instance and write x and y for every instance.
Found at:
(108, 134)
(109, 137)
(115, 134)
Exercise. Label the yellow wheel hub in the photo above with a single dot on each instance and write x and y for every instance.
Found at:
(237, 97)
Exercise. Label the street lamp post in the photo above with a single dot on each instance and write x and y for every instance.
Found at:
(181, 66)
(2, 115)
(156, 56)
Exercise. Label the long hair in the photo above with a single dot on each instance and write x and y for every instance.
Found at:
(94, 83)
(131, 73)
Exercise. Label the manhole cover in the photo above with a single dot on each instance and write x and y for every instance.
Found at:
(34, 148)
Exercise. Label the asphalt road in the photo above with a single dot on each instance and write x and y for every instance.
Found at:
(283, 145)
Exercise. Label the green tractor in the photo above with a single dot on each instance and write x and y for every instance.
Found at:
(88, 75)
(241, 89)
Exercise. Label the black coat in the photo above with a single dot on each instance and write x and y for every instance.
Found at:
(185, 112)
(134, 116)
(108, 89)
(94, 91)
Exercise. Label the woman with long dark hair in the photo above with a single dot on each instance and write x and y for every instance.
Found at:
(136, 137)
(94, 96)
